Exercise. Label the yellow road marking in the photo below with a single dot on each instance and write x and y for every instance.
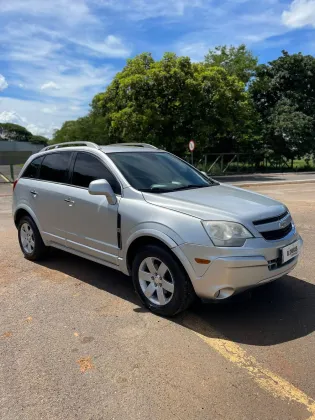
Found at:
(5, 178)
(264, 378)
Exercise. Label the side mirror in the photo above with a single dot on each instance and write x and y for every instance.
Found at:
(102, 187)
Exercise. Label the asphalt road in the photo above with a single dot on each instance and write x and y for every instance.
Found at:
(76, 344)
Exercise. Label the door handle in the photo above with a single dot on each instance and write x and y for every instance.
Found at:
(34, 193)
(68, 200)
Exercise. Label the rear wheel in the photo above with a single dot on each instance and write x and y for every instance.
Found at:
(30, 240)
(161, 282)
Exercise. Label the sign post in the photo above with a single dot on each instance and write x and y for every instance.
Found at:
(191, 146)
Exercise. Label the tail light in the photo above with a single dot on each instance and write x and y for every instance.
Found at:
(14, 183)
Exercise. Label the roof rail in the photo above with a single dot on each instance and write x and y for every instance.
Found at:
(133, 144)
(71, 143)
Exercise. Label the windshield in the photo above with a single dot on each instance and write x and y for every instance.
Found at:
(158, 172)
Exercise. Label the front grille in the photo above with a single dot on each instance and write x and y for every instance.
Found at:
(271, 219)
(274, 235)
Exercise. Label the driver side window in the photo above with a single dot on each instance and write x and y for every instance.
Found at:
(88, 168)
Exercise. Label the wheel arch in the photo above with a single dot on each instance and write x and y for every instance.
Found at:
(25, 211)
(152, 237)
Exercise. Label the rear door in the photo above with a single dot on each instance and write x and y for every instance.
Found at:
(50, 194)
(25, 192)
(91, 221)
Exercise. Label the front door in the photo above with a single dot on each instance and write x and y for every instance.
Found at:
(91, 221)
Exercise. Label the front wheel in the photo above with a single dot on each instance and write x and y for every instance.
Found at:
(161, 282)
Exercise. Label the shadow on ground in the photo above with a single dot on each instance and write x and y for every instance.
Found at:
(275, 313)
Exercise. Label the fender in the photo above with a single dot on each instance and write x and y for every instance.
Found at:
(163, 237)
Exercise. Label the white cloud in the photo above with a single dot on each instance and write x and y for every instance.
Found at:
(68, 11)
(11, 117)
(301, 13)
(51, 110)
(196, 50)
(231, 22)
(49, 85)
(32, 115)
(111, 46)
(14, 118)
(3, 83)
(144, 9)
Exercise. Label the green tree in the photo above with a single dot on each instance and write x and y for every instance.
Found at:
(14, 132)
(237, 61)
(39, 140)
(90, 128)
(170, 101)
(284, 96)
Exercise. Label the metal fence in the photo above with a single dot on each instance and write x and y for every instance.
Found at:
(12, 156)
(235, 163)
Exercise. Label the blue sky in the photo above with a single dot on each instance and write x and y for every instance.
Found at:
(55, 55)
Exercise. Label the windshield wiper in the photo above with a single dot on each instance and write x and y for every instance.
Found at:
(190, 187)
(156, 190)
(168, 190)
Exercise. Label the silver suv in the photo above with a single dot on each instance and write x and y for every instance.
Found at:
(151, 215)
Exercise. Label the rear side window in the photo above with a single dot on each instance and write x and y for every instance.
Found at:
(55, 167)
(87, 168)
(32, 171)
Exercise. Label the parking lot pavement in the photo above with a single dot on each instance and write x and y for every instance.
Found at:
(76, 344)
(259, 178)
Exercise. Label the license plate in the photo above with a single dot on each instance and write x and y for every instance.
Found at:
(289, 252)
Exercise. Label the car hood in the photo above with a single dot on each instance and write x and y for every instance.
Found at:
(219, 202)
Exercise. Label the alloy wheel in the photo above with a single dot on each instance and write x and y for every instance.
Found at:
(156, 281)
(27, 238)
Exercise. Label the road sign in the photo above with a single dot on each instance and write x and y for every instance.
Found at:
(191, 145)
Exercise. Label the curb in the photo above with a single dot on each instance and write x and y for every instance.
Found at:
(267, 183)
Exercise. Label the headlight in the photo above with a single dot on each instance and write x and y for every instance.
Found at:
(227, 233)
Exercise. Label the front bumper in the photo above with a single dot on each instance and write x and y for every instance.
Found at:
(233, 270)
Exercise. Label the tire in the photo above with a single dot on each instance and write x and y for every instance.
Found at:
(30, 241)
(168, 293)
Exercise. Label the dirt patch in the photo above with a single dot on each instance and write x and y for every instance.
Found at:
(7, 334)
(85, 364)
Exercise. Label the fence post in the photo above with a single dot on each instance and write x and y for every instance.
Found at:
(12, 172)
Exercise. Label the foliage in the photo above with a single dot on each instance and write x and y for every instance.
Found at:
(171, 101)
(227, 103)
(237, 61)
(89, 128)
(284, 96)
(15, 132)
